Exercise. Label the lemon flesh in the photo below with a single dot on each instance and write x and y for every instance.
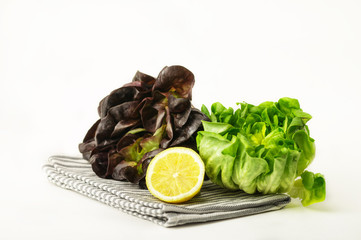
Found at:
(175, 175)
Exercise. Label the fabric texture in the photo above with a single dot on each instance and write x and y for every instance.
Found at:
(212, 203)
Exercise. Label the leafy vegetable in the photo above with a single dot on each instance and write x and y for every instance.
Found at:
(264, 148)
(139, 120)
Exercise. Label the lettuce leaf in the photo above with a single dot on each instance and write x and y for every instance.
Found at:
(310, 188)
(264, 148)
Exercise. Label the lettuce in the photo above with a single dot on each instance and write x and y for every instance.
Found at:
(264, 148)
(140, 119)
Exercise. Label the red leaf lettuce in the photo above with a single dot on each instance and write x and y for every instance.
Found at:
(139, 120)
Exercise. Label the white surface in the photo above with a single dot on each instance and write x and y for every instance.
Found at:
(59, 58)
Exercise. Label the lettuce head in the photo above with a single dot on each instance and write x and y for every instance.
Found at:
(264, 149)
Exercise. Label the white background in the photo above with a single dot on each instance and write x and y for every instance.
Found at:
(59, 58)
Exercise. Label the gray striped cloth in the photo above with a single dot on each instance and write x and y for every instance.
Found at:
(212, 203)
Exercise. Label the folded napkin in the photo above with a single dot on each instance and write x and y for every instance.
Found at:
(212, 203)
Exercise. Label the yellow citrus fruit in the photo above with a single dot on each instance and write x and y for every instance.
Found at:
(175, 175)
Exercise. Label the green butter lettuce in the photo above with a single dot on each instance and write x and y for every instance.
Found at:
(264, 148)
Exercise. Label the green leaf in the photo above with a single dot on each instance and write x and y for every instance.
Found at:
(218, 154)
(311, 188)
(307, 147)
(217, 108)
(152, 143)
(247, 168)
(132, 152)
(215, 127)
(204, 110)
(286, 104)
(301, 114)
(258, 133)
(136, 130)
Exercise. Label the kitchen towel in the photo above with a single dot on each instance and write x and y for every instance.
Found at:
(212, 203)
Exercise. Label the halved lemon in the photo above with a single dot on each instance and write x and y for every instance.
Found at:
(175, 175)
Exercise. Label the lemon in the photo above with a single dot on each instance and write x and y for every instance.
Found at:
(175, 175)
